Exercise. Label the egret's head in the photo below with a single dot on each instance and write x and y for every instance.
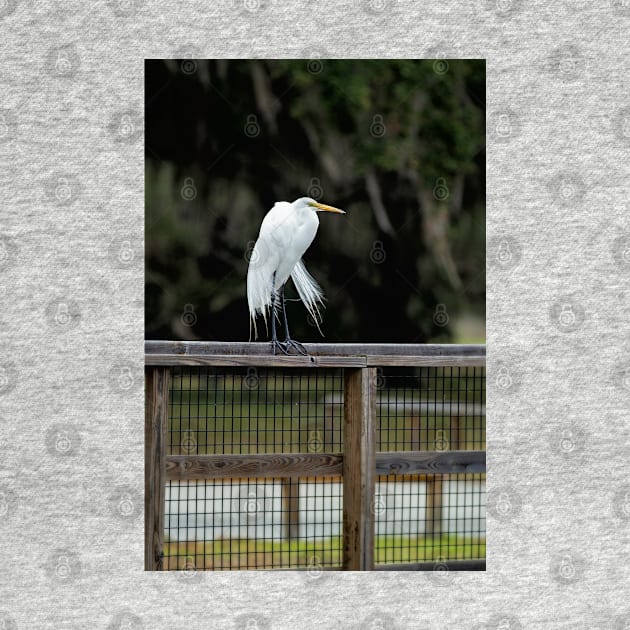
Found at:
(307, 202)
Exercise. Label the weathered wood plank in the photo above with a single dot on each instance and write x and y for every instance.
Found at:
(409, 463)
(447, 565)
(155, 428)
(315, 349)
(409, 360)
(359, 464)
(304, 465)
(180, 467)
(256, 360)
(419, 478)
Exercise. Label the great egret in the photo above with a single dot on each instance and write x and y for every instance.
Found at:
(285, 234)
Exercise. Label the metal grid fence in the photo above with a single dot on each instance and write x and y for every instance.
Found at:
(245, 523)
(225, 415)
(430, 517)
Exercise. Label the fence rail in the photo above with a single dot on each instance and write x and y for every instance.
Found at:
(221, 354)
(358, 466)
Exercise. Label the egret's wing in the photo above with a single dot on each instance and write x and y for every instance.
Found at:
(277, 227)
(309, 291)
(262, 264)
(276, 232)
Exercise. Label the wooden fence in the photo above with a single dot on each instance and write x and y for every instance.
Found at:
(358, 465)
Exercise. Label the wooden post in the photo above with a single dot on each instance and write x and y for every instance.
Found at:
(434, 505)
(435, 485)
(457, 435)
(359, 469)
(291, 507)
(155, 428)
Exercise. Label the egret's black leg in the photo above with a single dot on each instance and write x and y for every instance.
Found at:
(275, 344)
(288, 342)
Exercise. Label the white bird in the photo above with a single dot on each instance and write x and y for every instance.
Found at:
(286, 233)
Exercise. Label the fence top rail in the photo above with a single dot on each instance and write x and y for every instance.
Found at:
(223, 353)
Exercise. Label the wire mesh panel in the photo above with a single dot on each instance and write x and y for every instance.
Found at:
(254, 410)
(430, 517)
(214, 521)
(249, 523)
(253, 524)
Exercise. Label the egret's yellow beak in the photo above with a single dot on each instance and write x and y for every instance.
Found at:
(325, 208)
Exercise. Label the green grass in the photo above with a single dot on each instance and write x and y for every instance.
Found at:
(252, 554)
(394, 549)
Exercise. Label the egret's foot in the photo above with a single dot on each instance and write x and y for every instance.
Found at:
(277, 345)
(296, 345)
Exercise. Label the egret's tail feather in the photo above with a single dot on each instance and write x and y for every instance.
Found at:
(309, 291)
(256, 308)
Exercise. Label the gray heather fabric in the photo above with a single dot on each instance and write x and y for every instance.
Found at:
(71, 472)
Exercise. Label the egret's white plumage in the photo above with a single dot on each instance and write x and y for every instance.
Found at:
(286, 233)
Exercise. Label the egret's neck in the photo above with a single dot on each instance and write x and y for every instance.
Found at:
(306, 215)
